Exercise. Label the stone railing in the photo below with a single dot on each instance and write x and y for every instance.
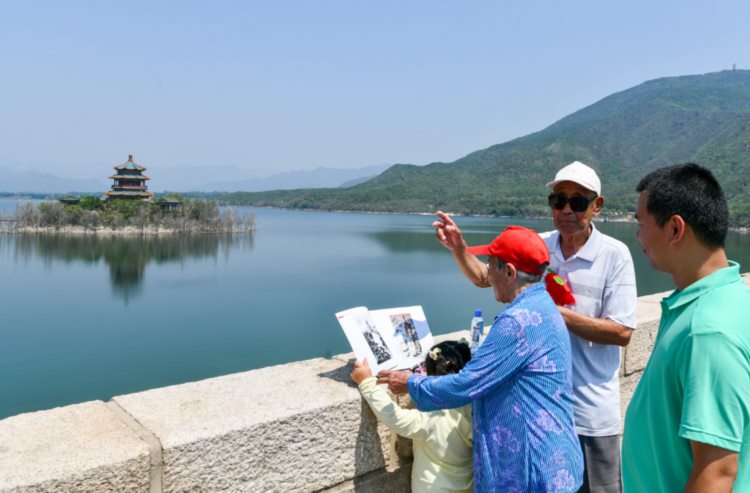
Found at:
(299, 427)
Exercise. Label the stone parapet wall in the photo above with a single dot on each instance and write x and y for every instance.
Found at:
(290, 428)
(299, 427)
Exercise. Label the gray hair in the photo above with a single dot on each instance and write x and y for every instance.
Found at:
(524, 278)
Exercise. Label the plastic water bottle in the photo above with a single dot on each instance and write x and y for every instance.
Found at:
(477, 330)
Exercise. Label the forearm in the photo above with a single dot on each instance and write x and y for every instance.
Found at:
(444, 392)
(493, 362)
(409, 423)
(598, 330)
(474, 269)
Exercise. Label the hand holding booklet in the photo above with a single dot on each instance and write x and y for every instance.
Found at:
(390, 339)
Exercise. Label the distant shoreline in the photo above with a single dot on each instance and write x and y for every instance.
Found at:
(124, 231)
(614, 218)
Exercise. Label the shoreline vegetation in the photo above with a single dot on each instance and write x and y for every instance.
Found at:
(127, 217)
(219, 221)
(602, 218)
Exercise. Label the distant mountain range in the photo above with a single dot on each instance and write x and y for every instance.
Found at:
(699, 118)
(315, 178)
(187, 179)
(18, 180)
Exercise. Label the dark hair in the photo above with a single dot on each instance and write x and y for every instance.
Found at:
(447, 357)
(691, 192)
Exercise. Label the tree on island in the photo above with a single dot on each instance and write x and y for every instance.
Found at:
(92, 214)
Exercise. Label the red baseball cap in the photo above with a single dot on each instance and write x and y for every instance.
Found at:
(519, 246)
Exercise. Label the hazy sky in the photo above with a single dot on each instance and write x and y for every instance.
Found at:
(281, 85)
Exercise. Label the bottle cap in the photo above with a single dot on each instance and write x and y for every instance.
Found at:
(478, 312)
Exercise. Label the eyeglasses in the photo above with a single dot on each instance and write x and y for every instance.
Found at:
(577, 203)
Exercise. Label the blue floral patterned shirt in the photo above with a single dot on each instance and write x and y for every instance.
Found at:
(519, 384)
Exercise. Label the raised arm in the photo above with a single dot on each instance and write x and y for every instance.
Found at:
(409, 423)
(449, 235)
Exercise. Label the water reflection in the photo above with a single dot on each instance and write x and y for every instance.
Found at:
(475, 230)
(478, 231)
(406, 241)
(126, 256)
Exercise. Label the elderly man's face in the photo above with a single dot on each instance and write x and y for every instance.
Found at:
(569, 222)
(499, 280)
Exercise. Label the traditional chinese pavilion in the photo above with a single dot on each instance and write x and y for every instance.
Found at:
(129, 182)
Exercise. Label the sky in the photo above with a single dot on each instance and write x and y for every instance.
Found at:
(275, 86)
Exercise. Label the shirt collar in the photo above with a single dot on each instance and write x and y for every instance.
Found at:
(530, 291)
(717, 278)
(587, 252)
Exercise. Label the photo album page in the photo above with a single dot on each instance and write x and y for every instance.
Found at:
(390, 339)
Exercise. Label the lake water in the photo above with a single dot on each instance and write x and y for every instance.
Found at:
(92, 317)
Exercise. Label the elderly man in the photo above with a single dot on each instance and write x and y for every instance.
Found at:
(518, 382)
(688, 425)
(599, 270)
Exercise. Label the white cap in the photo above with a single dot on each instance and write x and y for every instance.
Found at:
(577, 172)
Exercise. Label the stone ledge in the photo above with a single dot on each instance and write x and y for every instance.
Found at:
(295, 427)
(79, 448)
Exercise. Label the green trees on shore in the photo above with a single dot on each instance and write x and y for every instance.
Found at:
(92, 213)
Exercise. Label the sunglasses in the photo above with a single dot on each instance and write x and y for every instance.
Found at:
(577, 203)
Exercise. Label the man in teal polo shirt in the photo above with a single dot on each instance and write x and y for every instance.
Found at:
(688, 425)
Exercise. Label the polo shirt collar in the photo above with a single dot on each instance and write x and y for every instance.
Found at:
(587, 252)
(725, 275)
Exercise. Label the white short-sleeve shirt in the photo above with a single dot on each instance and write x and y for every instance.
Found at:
(602, 278)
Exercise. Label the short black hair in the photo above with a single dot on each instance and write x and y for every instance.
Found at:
(692, 192)
(447, 357)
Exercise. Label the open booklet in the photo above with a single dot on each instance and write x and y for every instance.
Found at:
(390, 339)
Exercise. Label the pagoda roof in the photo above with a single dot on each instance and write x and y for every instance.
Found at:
(130, 164)
(129, 177)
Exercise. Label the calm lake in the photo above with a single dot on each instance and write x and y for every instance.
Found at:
(92, 317)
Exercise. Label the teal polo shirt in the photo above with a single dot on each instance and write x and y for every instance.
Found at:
(696, 386)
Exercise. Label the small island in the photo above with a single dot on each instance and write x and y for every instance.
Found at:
(128, 208)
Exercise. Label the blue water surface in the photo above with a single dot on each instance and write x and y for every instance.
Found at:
(93, 317)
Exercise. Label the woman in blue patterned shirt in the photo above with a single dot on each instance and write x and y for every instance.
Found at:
(518, 382)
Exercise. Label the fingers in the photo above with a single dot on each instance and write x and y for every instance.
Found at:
(361, 371)
(444, 218)
(440, 228)
(383, 376)
(440, 235)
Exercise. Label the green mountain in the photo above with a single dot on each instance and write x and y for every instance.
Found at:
(699, 118)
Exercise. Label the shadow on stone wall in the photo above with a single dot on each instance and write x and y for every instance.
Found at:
(382, 459)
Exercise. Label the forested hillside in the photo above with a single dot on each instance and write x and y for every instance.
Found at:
(699, 118)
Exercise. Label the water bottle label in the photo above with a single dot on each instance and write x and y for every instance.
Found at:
(477, 331)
